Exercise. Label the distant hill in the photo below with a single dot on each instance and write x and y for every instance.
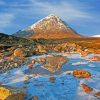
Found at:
(50, 27)
(11, 40)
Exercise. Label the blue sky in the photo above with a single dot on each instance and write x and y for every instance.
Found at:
(82, 15)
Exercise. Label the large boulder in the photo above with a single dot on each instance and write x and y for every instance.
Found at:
(54, 63)
(78, 73)
(19, 52)
(11, 93)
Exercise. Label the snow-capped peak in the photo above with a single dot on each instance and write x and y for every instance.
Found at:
(49, 17)
(52, 16)
(96, 36)
(50, 27)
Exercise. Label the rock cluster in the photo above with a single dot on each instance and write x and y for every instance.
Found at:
(12, 62)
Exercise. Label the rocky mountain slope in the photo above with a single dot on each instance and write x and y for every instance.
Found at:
(50, 27)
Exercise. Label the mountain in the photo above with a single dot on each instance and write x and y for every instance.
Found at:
(24, 33)
(50, 27)
(96, 36)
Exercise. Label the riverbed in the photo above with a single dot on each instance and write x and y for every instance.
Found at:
(65, 86)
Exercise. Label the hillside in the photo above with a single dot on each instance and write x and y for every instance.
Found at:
(12, 40)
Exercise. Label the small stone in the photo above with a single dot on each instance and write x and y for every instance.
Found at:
(52, 79)
(35, 98)
(30, 66)
(33, 61)
(86, 88)
(94, 58)
(42, 60)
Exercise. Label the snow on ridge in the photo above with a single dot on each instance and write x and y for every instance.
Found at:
(95, 36)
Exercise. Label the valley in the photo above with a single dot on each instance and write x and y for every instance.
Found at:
(49, 61)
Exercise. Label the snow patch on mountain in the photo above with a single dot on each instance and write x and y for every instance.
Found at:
(96, 36)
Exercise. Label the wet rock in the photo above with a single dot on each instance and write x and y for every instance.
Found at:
(33, 61)
(26, 81)
(35, 98)
(38, 85)
(42, 60)
(68, 73)
(86, 88)
(54, 63)
(50, 55)
(94, 58)
(30, 66)
(78, 73)
(84, 53)
(97, 94)
(11, 93)
(52, 79)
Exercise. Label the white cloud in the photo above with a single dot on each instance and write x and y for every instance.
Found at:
(6, 20)
(64, 9)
